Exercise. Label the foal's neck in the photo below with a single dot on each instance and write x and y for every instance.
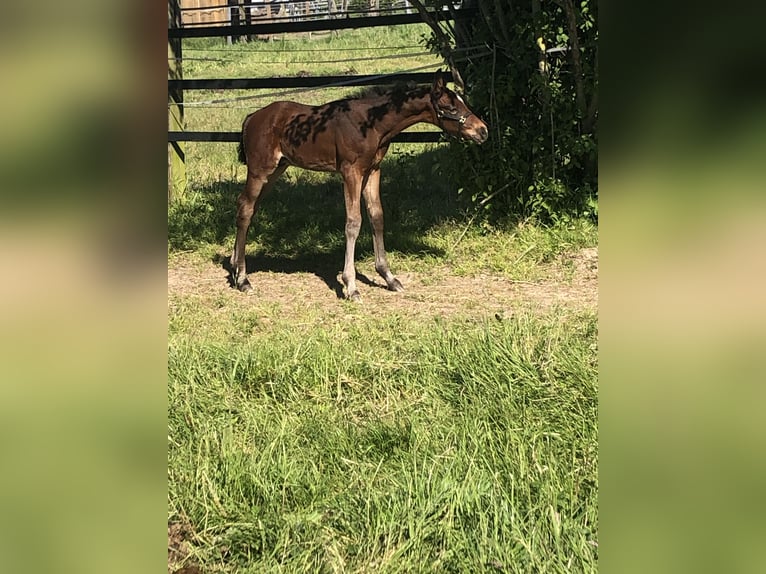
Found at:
(415, 108)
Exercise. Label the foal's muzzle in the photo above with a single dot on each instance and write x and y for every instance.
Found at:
(481, 135)
(478, 134)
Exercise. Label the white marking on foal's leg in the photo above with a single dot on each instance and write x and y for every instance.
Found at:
(349, 274)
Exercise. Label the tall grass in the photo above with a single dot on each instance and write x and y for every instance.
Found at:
(389, 447)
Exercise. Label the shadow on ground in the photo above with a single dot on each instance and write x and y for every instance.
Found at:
(326, 266)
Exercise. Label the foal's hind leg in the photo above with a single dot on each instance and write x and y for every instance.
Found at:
(256, 186)
(375, 211)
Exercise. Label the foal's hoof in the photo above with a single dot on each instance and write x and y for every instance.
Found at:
(395, 285)
(245, 286)
(354, 296)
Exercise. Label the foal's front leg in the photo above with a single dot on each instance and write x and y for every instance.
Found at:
(375, 212)
(352, 184)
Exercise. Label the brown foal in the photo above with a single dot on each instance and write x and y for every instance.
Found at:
(349, 136)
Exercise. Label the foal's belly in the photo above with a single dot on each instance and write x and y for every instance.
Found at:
(312, 163)
(313, 157)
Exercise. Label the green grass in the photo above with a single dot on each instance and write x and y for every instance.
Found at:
(435, 448)
(333, 437)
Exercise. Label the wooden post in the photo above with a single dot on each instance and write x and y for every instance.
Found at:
(233, 18)
(176, 152)
(249, 17)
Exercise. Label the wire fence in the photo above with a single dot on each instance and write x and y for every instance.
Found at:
(344, 60)
(244, 48)
(235, 54)
(351, 82)
(264, 19)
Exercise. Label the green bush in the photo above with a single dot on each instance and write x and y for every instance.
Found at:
(537, 90)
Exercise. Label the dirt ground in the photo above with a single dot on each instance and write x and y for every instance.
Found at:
(178, 550)
(426, 294)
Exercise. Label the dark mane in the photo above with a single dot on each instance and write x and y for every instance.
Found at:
(370, 92)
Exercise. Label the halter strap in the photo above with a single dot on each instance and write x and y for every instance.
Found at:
(441, 114)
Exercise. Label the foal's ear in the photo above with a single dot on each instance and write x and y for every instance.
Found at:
(439, 82)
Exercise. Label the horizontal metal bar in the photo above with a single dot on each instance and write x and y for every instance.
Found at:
(299, 13)
(204, 136)
(312, 25)
(299, 82)
(315, 6)
(184, 136)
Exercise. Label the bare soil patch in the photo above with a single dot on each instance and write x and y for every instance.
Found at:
(571, 282)
(178, 550)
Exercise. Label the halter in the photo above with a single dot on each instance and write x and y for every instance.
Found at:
(441, 114)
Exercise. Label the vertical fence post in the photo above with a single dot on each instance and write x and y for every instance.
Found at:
(249, 18)
(233, 18)
(176, 151)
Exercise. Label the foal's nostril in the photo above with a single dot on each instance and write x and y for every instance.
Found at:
(483, 133)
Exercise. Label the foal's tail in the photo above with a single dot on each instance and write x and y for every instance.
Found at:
(241, 150)
(241, 147)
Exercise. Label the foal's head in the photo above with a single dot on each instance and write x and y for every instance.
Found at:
(453, 115)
